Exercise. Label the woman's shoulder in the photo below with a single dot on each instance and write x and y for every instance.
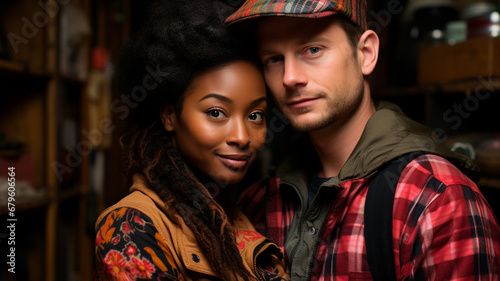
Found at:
(138, 201)
(128, 245)
(120, 223)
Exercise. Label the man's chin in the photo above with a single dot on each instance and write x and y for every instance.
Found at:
(303, 126)
(303, 123)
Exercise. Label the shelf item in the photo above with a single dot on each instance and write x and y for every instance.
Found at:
(74, 53)
(471, 59)
(488, 156)
(483, 148)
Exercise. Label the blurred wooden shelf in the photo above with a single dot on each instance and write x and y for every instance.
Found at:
(490, 182)
(464, 86)
(18, 71)
(10, 66)
(37, 100)
(481, 83)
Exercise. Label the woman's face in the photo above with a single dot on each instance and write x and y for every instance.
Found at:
(221, 127)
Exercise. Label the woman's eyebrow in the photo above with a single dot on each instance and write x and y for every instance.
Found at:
(220, 97)
(259, 100)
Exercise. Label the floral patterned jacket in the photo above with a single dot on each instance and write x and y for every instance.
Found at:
(136, 241)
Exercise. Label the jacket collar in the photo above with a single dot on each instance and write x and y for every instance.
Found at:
(249, 242)
(375, 148)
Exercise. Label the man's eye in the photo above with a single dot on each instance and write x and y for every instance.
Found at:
(256, 116)
(216, 113)
(314, 50)
(274, 59)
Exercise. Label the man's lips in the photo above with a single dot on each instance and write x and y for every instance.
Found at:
(235, 161)
(303, 102)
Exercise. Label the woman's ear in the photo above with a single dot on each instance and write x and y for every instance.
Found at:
(168, 117)
(368, 46)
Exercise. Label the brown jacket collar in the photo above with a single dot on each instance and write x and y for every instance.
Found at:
(182, 243)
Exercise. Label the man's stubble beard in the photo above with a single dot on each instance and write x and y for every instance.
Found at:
(340, 109)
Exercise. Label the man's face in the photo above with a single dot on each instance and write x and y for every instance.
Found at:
(311, 69)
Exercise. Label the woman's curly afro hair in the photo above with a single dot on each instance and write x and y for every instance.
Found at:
(177, 40)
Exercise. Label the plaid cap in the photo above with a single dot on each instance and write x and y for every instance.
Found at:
(355, 10)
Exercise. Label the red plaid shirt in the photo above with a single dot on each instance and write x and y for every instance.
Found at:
(443, 227)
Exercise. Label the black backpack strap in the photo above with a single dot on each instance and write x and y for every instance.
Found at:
(378, 218)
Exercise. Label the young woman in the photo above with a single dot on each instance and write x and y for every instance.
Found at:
(197, 128)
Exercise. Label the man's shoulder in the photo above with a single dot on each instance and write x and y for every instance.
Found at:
(437, 167)
(430, 176)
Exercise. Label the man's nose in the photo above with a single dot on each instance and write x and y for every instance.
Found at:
(293, 74)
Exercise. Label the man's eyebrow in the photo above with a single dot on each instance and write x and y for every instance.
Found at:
(220, 97)
(313, 39)
(263, 51)
(316, 39)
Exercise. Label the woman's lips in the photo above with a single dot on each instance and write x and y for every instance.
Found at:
(235, 161)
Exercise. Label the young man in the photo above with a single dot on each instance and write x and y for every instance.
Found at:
(317, 56)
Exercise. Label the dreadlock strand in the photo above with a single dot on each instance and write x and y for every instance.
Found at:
(145, 140)
(152, 164)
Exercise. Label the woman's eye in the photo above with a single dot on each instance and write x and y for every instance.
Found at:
(216, 113)
(256, 116)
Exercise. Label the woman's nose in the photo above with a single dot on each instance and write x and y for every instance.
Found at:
(238, 134)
